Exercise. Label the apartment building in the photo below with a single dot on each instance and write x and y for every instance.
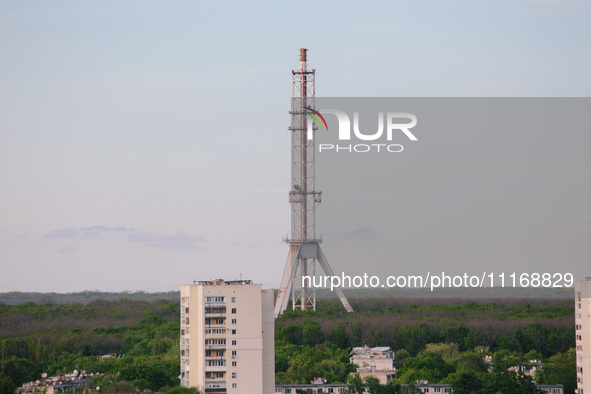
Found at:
(377, 362)
(583, 334)
(227, 337)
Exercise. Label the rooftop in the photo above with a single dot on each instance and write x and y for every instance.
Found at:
(222, 282)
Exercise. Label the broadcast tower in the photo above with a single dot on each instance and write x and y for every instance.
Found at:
(304, 247)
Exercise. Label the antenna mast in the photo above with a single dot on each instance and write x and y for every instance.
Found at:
(304, 247)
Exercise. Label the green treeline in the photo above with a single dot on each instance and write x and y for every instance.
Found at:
(37, 338)
(439, 340)
(443, 341)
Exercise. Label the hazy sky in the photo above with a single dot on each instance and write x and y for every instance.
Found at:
(144, 144)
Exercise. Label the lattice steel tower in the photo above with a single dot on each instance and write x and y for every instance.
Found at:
(304, 247)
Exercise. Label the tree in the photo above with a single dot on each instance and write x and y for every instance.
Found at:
(509, 382)
(373, 385)
(16, 370)
(290, 334)
(7, 385)
(356, 384)
(396, 388)
(504, 359)
(448, 351)
(425, 366)
(306, 363)
(471, 362)
(340, 337)
(181, 390)
(312, 333)
(123, 386)
(473, 339)
(560, 369)
(465, 382)
(401, 355)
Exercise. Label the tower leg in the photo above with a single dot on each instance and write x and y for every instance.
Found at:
(287, 281)
(328, 271)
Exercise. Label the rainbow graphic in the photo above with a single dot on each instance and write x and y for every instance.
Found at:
(314, 114)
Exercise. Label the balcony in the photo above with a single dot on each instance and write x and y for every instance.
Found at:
(215, 326)
(215, 347)
(215, 383)
(209, 381)
(215, 314)
(215, 368)
(215, 358)
(215, 304)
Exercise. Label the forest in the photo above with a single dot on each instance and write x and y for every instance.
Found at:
(440, 340)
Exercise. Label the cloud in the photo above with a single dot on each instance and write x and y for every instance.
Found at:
(67, 249)
(157, 240)
(177, 241)
(93, 231)
(107, 229)
(360, 233)
(61, 233)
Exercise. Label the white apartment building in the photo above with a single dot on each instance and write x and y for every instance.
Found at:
(583, 333)
(376, 361)
(227, 337)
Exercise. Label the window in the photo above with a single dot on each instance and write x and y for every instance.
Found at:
(233, 375)
(215, 299)
(287, 391)
(233, 342)
(234, 385)
(234, 363)
(233, 310)
(233, 332)
(233, 321)
(233, 353)
(215, 363)
(215, 341)
(233, 299)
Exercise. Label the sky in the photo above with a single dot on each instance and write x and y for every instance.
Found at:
(144, 144)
